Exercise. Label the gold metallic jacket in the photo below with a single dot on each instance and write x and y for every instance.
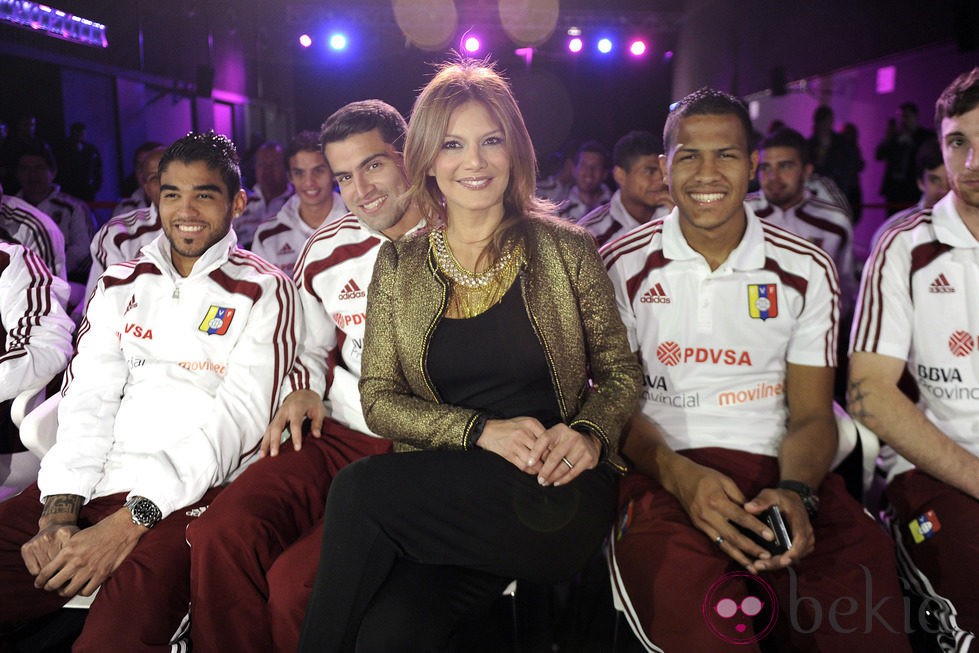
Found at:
(571, 306)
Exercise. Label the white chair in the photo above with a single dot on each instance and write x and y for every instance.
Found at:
(850, 433)
(24, 403)
(39, 427)
(18, 470)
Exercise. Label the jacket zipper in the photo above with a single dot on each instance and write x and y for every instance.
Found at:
(431, 329)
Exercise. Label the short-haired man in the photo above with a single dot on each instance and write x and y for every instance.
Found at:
(138, 199)
(265, 574)
(558, 171)
(36, 170)
(178, 369)
(783, 168)
(81, 164)
(917, 312)
(734, 321)
(121, 238)
(641, 195)
(20, 222)
(589, 190)
(929, 169)
(314, 204)
(269, 194)
(901, 141)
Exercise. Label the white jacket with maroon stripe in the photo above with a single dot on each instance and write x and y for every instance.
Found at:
(333, 273)
(33, 229)
(176, 378)
(120, 239)
(35, 332)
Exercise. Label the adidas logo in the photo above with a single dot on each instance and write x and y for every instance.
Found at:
(287, 249)
(941, 284)
(131, 305)
(655, 295)
(351, 291)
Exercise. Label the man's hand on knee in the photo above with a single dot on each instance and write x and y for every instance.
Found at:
(297, 407)
(714, 503)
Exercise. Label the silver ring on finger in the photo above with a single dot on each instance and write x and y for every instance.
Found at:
(718, 540)
(567, 462)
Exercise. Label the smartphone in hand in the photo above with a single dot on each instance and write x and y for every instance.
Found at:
(772, 517)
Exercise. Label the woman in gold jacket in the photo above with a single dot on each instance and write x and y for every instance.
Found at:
(493, 345)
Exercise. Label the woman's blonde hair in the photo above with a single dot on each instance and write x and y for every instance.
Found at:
(455, 84)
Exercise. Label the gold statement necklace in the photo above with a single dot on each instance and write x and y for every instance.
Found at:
(474, 293)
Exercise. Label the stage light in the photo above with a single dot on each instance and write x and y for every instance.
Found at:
(575, 45)
(305, 40)
(338, 41)
(667, 55)
(637, 48)
(471, 44)
(53, 22)
(604, 45)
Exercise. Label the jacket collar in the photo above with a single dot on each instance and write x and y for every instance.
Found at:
(158, 251)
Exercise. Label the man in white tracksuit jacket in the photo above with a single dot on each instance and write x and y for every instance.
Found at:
(178, 370)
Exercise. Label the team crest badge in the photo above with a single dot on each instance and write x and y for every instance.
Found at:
(217, 321)
(762, 300)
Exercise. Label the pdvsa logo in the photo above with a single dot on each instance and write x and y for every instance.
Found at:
(138, 331)
(344, 320)
(961, 343)
(671, 354)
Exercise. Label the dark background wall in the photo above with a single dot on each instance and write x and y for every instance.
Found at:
(235, 65)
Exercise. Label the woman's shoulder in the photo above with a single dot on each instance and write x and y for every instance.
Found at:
(560, 232)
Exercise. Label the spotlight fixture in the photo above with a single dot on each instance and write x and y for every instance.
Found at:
(575, 45)
(604, 45)
(305, 40)
(471, 44)
(338, 41)
(638, 48)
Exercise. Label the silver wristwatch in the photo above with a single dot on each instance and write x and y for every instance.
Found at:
(144, 512)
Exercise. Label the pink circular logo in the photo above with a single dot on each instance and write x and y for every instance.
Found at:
(961, 343)
(668, 353)
(738, 603)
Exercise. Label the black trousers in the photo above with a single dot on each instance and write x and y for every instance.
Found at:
(413, 541)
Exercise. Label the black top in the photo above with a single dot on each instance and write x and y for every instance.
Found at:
(494, 363)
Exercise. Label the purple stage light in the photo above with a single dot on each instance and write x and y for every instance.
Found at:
(637, 48)
(605, 45)
(338, 41)
(305, 40)
(471, 44)
(575, 45)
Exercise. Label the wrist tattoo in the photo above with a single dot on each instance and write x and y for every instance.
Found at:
(61, 504)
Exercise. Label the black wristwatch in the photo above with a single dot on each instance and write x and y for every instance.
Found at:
(144, 512)
(809, 497)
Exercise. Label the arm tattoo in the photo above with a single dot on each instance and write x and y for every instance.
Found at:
(61, 504)
(855, 395)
